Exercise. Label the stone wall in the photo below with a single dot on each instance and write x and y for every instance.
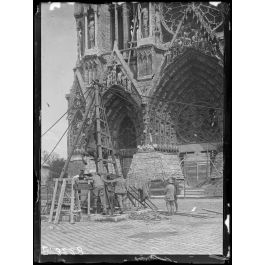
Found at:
(153, 165)
(104, 28)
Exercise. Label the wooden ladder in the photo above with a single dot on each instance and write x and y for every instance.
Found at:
(61, 198)
(104, 143)
(87, 116)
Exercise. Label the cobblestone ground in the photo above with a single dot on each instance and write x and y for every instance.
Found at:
(177, 235)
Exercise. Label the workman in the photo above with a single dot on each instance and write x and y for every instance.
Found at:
(98, 190)
(120, 191)
(169, 196)
(75, 179)
(175, 183)
(110, 190)
(143, 192)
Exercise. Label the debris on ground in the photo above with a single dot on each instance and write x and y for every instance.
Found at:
(193, 209)
(211, 211)
(146, 215)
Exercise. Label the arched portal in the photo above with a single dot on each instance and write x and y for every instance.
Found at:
(127, 134)
(191, 92)
(190, 95)
(125, 121)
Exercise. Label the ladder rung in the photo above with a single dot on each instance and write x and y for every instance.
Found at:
(108, 161)
(106, 146)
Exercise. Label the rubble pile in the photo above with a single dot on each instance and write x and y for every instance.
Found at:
(146, 216)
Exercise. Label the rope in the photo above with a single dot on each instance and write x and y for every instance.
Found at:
(60, 117)
(60, 138)
(171, 101)
(56, 144)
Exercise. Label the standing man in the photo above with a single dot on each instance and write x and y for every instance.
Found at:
(98, 190)
(77, 191)
(169, 196)
(120, 191)
(175, 183)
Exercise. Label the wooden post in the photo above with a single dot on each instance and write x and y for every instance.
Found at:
(197, 169)
(184, 180)
(207, 161)
(88, 202)
(98, 131)
(60, 202)
(72, 221)
(53, 200)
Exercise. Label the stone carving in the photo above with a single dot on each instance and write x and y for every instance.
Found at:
(91, 69)
(157, 27)
(79, 41)
(145, 22)
(144, 59)
(145, 148)
(91, 30)
(116, 76)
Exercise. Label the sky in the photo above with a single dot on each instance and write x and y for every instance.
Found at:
(58, 58)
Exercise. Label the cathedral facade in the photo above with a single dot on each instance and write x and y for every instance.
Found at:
(161, 69)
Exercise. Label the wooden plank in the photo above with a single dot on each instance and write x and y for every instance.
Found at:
(53, 200)
(59, 207)
(72, 221)
(88, 202)
(211, 211)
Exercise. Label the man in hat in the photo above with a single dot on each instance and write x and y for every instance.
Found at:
(98, 190)
(175, 183)
(120, 191)
(169, 196)
(75, 179)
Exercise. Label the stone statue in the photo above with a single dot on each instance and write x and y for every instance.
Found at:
(91, 31)
(108, 79)
(145, 22)
(79, 42)
(123, 81)
(114, 73)
(157, 28)
(129, 85)
(119, 77)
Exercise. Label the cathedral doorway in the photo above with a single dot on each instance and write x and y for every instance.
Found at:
(125, 121)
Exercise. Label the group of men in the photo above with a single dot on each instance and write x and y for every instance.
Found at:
(105, 187)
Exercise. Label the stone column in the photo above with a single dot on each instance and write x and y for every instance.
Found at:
(116, 24)
(96, 26)
(85, 14)
(150, 19)
(126, 25)
(86, 75)
(146, 118)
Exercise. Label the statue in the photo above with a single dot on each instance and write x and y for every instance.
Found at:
(79, 42)
(119, 77)
(129, 85)
(123, 81)
(91, 31)
(157, 28)
(145, 22)
(114, 72)
(109, 79)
